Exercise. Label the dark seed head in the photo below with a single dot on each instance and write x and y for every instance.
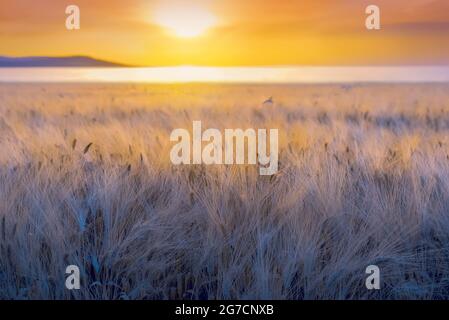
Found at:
(86, 149)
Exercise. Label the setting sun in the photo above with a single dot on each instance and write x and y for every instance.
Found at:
(185, 22)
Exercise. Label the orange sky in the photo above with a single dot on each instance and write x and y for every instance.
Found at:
(247, 32)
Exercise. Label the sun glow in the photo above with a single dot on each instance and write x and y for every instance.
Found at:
(185, 21)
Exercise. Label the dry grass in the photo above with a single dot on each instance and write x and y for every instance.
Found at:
(85, 179)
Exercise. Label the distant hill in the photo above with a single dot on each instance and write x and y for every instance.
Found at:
(75, 61)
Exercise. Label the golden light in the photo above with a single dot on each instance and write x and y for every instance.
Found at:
(185, 21)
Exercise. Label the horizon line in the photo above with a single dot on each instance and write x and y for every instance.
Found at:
(117, 64)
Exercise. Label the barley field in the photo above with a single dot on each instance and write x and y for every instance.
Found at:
(86, 179)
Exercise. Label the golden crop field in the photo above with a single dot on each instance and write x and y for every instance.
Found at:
(86, 179)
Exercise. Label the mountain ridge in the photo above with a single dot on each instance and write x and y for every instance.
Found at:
(44, 61)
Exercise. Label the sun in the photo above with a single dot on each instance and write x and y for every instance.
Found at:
(185, 21)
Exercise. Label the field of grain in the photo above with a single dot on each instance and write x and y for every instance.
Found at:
(86, 179)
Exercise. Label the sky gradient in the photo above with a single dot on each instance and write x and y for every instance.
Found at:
(245, 33)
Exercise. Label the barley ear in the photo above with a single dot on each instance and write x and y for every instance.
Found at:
(86, 149)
